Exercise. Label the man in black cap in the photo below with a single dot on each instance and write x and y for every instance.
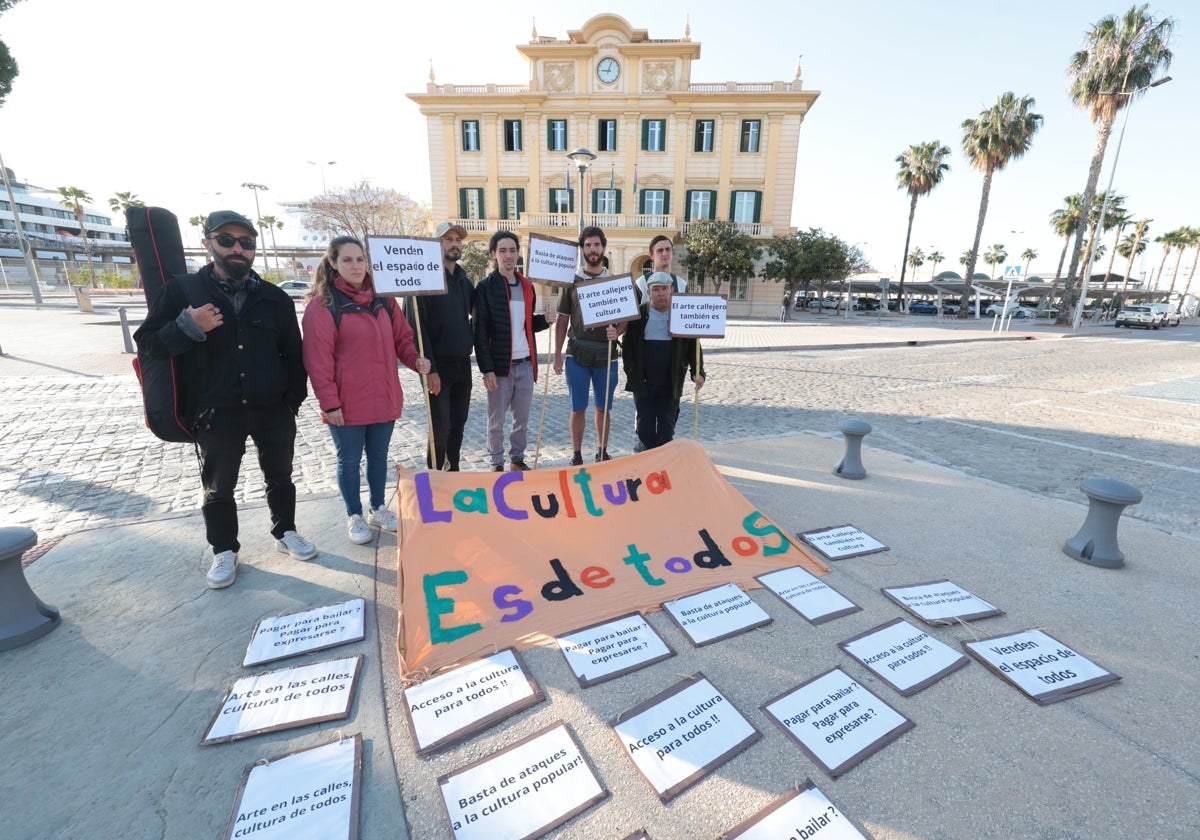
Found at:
(239, 354)
(447, 340)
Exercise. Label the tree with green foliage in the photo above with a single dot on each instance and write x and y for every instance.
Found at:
(916, 259)
(1119, 220)
(994, 256)
(1179, 240)
(812, 255)
(1193, 242)
(785, 263)
(122, 201)
(1132, 245)
(1119, 59)
(935, 257)
(8, 65)
(475, 259)
(999, 135)
(921, 169)
(73, 198)
(272, 224)
(720, 251)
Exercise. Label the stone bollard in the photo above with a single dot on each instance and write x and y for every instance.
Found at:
(1096, 542)
(854, 430)
(23, 617)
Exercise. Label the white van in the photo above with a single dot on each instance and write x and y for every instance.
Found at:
(1168, 315)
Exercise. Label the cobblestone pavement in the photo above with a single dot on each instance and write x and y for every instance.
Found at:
(1035, 415)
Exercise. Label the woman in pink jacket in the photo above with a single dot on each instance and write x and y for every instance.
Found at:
(352, 340)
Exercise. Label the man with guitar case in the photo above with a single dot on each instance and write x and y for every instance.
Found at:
(220, 360)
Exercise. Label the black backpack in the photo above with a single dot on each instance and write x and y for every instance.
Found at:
(158, 250)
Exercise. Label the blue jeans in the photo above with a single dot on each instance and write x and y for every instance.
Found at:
(350, 441)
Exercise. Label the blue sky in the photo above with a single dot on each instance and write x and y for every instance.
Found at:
(179, 108)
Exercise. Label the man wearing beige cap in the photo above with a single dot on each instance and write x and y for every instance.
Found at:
(447, 340)
(656, 363)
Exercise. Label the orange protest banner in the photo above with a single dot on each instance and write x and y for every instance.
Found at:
(492, 560)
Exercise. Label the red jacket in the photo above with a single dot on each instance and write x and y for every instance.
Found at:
(353, 365)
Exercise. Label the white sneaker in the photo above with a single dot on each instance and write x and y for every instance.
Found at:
(360, 534)
(295, 545)
(381, 518)
(223, 570)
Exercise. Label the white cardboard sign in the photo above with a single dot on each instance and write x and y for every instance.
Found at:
(552, 260)
(799, 814)
(309, 793)
(679, 735)
(941, 602)
(716, 614)
(842, 541)
(905, 657)
(698, 316)
(612, 648)
(608, 300)
(1042, 667)
(808, 595)
(836, 720)
(282, 636)
(283, 699)
(406, 265)
(447, 708)
(535, 785)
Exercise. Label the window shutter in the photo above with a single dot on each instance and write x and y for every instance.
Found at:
(520, 201)
(595, 201)
(697, 144)
(618, 192)
(732, 204)
(666, 202)
(687, 204)
(757, 206)
(503, 204)
(462, 203)
(645, 135)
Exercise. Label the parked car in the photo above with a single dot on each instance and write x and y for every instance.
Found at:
(949, 308)
(868, 304)
(1168, 313)
(1017, 311)
(295, 288)
(1139, 316)
(923, 307)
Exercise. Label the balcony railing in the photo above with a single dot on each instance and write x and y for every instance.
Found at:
(756, 230)
(606, 221)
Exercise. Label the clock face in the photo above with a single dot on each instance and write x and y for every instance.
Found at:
(607, 70)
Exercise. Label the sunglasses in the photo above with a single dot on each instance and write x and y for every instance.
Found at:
(226, 240)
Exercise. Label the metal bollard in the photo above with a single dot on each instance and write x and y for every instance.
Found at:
(125, 330)
(851, 466)
(23, 617)
(1096, 542)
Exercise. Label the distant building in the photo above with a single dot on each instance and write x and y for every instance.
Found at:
(670, 151)
(53, 231)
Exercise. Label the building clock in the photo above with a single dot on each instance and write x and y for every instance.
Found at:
(608, 70)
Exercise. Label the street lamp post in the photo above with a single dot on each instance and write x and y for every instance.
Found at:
(22, 242)
(582, 157)
(258, 218)
(322, 165)
(1087, 275)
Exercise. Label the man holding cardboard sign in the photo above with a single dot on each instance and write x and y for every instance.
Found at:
(591, 352)
(655, 364)
(505, 349)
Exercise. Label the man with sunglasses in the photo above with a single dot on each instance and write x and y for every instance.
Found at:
(239, 354)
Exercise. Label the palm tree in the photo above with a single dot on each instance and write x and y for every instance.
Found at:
(1168, 240)
(73, 198)
(122, 201)
(1119, 219)
(1119, 59)
(271, 223)
(1001, 133)
(1193, 241)
(1029, 255)
(1116, 208)
(1132, 245)
(916, 259)
(994, 256)
(1181, 240)
(965, 259)
(921, 169)
(935, 257)
(1065, 222)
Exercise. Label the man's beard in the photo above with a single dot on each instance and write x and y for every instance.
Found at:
(593, 260)
(452, 254)
(236, 268)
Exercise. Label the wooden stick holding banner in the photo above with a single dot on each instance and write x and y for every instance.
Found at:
(698, 316)
(607, 302)
(409, 265)
(552, 263)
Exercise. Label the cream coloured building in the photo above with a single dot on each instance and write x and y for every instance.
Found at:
(669, 150)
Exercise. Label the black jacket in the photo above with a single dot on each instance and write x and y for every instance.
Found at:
(253, 359)
(683, 358)
(445, 320)
(493, 328)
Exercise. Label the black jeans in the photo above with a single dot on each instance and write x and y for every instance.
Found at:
(449, 409)
(657, 409)
(221, 438)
